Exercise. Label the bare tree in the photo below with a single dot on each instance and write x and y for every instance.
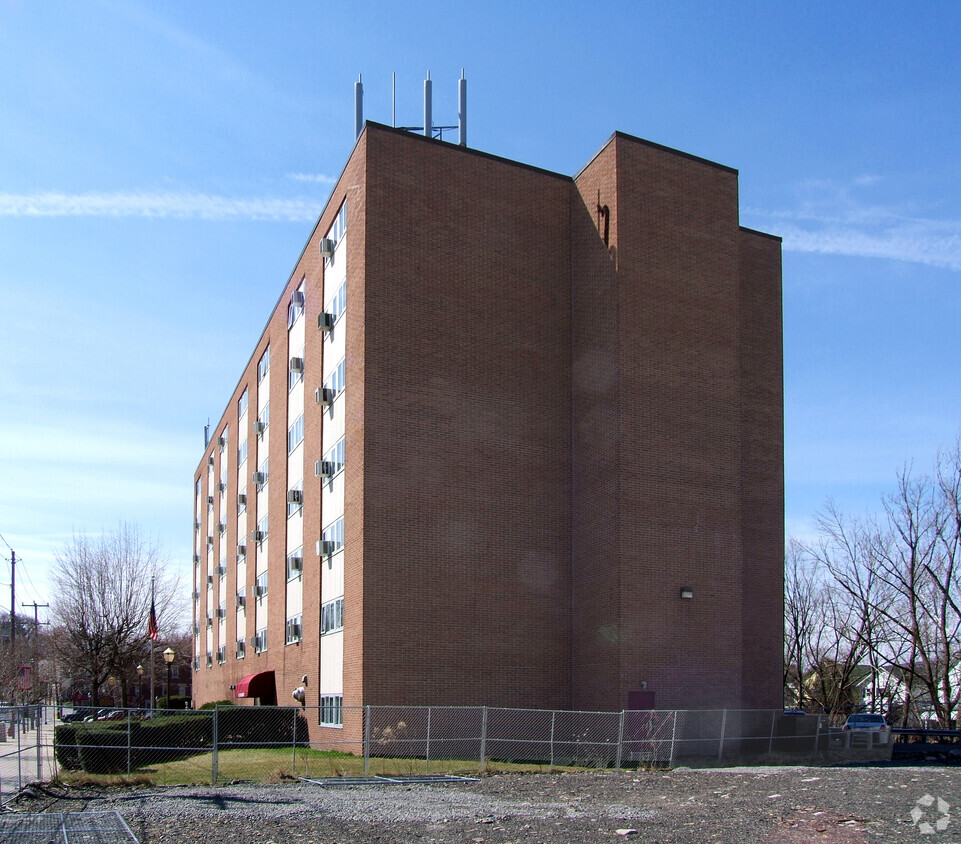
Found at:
(102, 603)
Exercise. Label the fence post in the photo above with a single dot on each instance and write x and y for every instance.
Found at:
(673, 736)
(128, 743)
(553, 720)
(620, 741)
(427, 751)
(19, 717)
(214, 739)
(293, 747)
(367, 739)
(39, 731)
(483, 741)
(817, 734)
(720, 747)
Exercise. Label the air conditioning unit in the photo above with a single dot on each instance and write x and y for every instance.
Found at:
(323, 469)
(221, 527)
(221, 441)
(210, 580)
(258, 535)
(295, 563)
(221, 571)
(241, 550)
(324, 395)
(241, 650)
(259, 591)
(196, 630)
(295, 496)
(196, 525)
(210, 621)
(221, 613)
(210, 500)
(241, 602)
(324, 547)
(210, 460)
(259, 427)
(210, 661)
(196, 663)
(325, 321)
(259, 478)
(221, 487)
(196, 558)
(327, 245)
(210, 541)
(242, 500)
(297, 298)
(196, 594)
(296, 364)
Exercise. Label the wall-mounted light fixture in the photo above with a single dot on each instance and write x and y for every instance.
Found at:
(687, 592)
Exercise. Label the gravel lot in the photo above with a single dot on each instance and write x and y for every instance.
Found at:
(725, 805)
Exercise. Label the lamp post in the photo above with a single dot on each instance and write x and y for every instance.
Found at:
(168, 656)
(140, 684)
(111, 684)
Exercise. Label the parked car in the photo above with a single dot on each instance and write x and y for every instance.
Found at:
(867, 721)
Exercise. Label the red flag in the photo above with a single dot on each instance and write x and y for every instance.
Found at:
(152, 632)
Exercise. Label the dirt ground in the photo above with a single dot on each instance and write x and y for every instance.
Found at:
(857, 804)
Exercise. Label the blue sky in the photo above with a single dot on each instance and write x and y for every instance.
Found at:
(162, 164)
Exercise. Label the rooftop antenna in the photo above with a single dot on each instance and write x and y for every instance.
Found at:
(428, 124)
(462, 108)
(358, 106)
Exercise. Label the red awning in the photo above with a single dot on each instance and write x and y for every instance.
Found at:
(257, 685)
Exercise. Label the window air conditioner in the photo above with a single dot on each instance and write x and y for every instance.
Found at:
(196, 594)
(242, 500)
(196, 558)
(323, 469)
(210, 541)
(259, 477)
(295, 496)
(327, 245)
(196, 525)
(221, 487)
(221, 441)
(259, 591)
(221, 571)
(295, 563)
(297, 298)
(241, 550)
(210, 500)
(258, 535)
(210, 460)
(324, 547)
(241, 602)
(210, 621)
(259, 427)
(296, 364)
(221, 527)
(324, 395)
(325, 321)
(221, 613)
(210, 580)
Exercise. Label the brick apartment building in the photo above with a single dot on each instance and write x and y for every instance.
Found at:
(508, 438)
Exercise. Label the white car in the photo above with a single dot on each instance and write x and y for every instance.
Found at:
(867, 721)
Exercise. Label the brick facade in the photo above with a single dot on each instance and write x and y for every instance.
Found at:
(563, 404)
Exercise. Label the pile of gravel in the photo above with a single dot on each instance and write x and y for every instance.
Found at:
(725, 805)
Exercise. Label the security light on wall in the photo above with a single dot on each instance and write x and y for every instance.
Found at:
(687, 592)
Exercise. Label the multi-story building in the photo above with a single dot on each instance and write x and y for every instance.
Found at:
(508, 438)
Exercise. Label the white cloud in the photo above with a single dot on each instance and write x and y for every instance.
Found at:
(316, 178)
(163, 204)
(831, 219)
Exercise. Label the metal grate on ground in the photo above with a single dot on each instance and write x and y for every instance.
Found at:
(66, 828)
(387, 780)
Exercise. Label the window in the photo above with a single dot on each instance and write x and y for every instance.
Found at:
(336, 456)
(293, 630)
(332, 616)
(242, 403)
(262, 529)
(296, 306)
(222, 441)
(222, 654)
(210, 659)
(242, 453)
(295, 563)
(295, 436)
(331, 710)
(336, 380)
(295, 499)
(241, 649)
(261, 587)
(263, 420)
(222, 568)
(334, 536)
(242, 501)
(263, 365)
(295, 371)
(263, 473)
(222, 487)
(338, 303)
(260, 640)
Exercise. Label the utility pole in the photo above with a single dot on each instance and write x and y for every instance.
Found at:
(36, 636)
(13, 605)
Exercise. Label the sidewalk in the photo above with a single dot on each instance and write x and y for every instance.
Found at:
(26, 754)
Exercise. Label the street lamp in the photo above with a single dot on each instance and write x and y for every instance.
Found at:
(169, 654)
(111, 683)
(140, 684)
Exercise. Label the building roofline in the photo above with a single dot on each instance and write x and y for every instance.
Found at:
(776, 237)
(660, 147)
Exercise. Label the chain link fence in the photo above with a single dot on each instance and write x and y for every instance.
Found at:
(231, 743)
